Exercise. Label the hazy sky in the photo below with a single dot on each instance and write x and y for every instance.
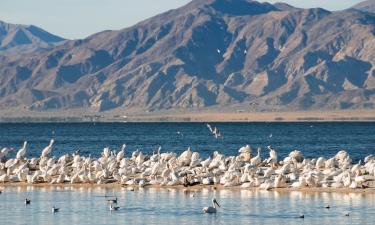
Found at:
(80, 18)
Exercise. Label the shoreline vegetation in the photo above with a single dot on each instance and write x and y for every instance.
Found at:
(202, 116)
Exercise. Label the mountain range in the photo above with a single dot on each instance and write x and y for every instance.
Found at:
(218, 54)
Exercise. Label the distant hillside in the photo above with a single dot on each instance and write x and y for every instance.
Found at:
(209, 53)
(366, 6)
(23, 37)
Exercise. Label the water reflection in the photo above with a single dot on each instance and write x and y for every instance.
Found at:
(81, 205)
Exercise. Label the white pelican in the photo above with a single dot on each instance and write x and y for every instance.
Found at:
(211, 209)
(121, 154)
(22, 151)
(54, 209)
(257, 159)
(4, 152)
(48, 149)
(273, 156)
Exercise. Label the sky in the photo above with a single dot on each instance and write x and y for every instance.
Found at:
(75, 19)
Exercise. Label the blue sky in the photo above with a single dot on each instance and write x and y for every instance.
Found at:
(80, 18)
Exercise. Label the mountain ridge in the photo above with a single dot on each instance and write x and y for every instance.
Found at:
(258, 56)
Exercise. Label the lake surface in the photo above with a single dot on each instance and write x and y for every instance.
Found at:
(172, 206)
(313, 139)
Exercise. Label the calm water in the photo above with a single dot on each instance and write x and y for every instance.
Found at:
(313, 139)
(171, 206)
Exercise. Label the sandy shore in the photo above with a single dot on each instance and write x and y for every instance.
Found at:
(216, 115)
(349, 115)
(195, 188)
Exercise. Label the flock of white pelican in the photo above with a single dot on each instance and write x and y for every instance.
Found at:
(169, 169)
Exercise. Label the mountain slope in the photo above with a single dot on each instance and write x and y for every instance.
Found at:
(13, 36)
(209, 53)
(366, 6)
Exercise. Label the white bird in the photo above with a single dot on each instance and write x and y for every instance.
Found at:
(22, 151)
(210, 128)
(273, 155)
(245, 149)
(257, 159)
(121, 154)
(211, 209)
(216, 133)
(48, 149)
(113, 208)
(54, 209)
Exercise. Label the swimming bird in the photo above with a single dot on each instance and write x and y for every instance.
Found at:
(114, 201)
(54, 209)
(211, 209)
(27, 201)
(327, 206)
(22, 151)
(113, 208)
(301, 216)
(48, 149)
(347, 214)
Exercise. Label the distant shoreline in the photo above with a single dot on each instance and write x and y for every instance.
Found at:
(191, 189)
(205, 116)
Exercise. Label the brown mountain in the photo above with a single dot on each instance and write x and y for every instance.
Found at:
(366, 6)
(15, 38)
(209, 53)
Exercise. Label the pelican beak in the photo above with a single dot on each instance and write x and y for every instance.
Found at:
(216, 203)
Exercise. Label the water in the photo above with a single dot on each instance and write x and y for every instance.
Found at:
(313, 139)
(172, 206)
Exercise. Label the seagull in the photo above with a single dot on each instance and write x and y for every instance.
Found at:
(245, 52)
(27, 201)
(216, 132)
(218, 51)
(113, 208)
(211, 209)
(55, 210)
(180, 133)
(210, 128)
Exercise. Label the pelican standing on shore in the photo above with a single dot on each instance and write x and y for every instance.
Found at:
(21, 153)
(48, 149)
